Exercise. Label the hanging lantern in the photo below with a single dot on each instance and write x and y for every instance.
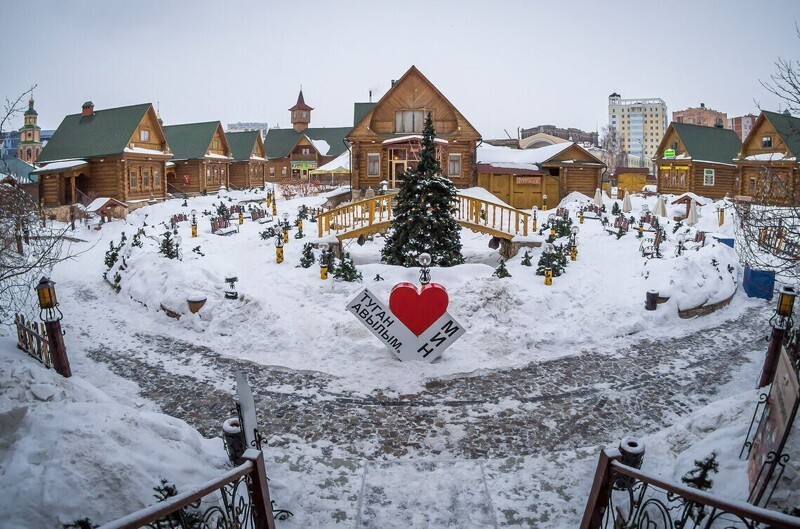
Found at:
(785, 301)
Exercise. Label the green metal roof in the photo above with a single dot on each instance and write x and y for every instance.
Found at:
(241, 143)
(708, 144)
(360, 110)
(19, 169)
(104, 133)
(788, 127)
(279, 142)
(31, 112)
(190, 141)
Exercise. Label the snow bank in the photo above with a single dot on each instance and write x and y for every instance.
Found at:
(68, 451)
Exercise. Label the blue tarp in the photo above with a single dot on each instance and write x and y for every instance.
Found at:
(759, 283)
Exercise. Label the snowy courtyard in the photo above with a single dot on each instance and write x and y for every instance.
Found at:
(503, 430)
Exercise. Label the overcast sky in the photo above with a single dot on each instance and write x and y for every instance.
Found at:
(502, 64)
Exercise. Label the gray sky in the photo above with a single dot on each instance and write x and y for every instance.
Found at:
(502, 64)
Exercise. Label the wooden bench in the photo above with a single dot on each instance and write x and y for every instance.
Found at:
(592, 211)
(651, 247)
(562, 212)
(621, 225)
(698, 242)
(221, 226)
(260, 216)
(175, 219)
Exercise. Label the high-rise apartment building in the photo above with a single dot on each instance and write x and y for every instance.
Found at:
(742, 125)
(640, 124)
(701, 116)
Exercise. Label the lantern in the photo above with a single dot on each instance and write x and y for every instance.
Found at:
(46, 291)
(785, 301)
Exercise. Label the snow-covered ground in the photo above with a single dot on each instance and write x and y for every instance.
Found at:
(86, 432)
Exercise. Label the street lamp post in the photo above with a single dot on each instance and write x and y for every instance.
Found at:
(279, 237)
(535, 210)
(51, 315)
(544, 202)
(285, 228)
(573, 244)
(424, 260)
(194, 223)
(551, 221)
(781, 321)
(549, 249)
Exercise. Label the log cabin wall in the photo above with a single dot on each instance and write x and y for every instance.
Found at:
(144, 179)
(724, 178)
(240, 174)
(188, 176)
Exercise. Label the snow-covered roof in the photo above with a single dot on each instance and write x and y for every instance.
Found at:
(339, 164)
(321, 145)
(141, 150)
(769, 157)
(58, 166)
(522, 158)
(697, 198)
(99, 203)
(217, 156)
(412, 137)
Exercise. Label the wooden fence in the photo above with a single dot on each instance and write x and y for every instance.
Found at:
(32, 338)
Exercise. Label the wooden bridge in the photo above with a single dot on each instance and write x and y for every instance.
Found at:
(375, 214)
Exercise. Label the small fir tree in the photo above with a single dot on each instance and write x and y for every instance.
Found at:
(346, 270)
(556, 260)
(168, 247)
(678, 225)
(526, 259)
(197, 250)
(615, 209)
(307, 258)
(423, 218)
(268, 233)
(501, 271)
(700, 478)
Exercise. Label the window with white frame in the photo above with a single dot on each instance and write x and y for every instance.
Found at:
(373, 164)
(134, 180)
(283, 171)
(272, 171)
(144, 135)
(156, 178)
(145, 179)
(409, 120)
(766, 142)
(454, 165)
(708, 177)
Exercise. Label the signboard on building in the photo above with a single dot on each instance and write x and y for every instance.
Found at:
(669, 153)
(529, 180)
(304, 165)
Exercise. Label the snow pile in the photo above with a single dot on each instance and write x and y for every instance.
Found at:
(702, 277)
(68, 451)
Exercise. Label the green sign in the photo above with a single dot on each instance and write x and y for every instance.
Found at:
(669, 153)
(304, 165)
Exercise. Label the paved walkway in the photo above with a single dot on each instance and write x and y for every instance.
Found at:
(591, 398)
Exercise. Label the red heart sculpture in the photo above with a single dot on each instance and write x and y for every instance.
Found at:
(418, 310)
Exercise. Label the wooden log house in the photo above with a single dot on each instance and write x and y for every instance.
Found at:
(119, 153)
(522, 177)
(202, 157)
(294, 153)
(385, 140)
(768, 166)
(697, 159)
(249, 160)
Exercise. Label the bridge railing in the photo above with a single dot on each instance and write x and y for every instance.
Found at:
(493, 216)
(355, 215)
(470, 211)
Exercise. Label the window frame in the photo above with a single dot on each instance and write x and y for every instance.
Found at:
(451, 158)
(144, 135)
(766, 142)
(133, 178)
(400, 120)
(373, 158)
(709, 173)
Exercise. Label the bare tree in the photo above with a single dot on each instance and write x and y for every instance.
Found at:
(29, 247)
(768, 221)
(611, 144)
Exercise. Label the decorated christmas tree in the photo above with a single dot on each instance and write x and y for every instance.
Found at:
(307, 258)
(346, 270)
(423, 218)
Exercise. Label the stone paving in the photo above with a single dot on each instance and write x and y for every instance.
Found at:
(590, 398)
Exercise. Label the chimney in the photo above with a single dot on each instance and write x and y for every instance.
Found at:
(702, 105)
(394, 81)
(87, 109)
(370, 96)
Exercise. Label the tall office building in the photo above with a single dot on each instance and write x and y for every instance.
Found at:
(640, 124)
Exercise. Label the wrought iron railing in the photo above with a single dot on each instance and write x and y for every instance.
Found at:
(625, 497)
(239, 499)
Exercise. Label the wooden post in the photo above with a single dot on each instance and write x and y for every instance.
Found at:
(259, 490)
(773, 353)
(371, 211)
(597, 503)
(58, 353)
